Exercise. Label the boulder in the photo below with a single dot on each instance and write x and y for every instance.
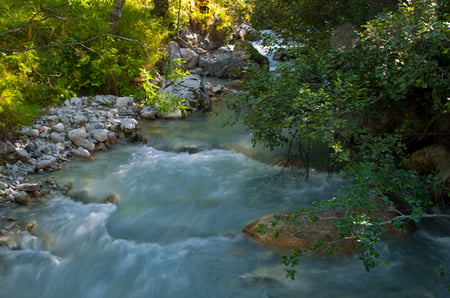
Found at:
(22, 197)
(111, 199)
(82, 153)
(28, 187)
(223, 64)
(288, 232)
(101, 135)
(86, 144)
(173, 50)
(191, 58)
(123, 102)
(191, 89)
(148, 113)
(77, 134)
(23, 155)
(59, 127)
(6, 148)
(244, 50)
(128, 125)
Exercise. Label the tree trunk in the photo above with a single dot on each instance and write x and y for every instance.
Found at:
(161, 7)
(115, 14)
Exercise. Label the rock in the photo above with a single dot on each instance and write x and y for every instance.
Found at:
(148, 113)
(86, 144)
(6, 148)
(60, 147)
(9, 239)
(111, 199)
(433, 158)
(100, 147)
(191, 58)
(80, 119)
(223, 64)
(247, 32)
(56, 137)
(52, 118)
(29, 226)
(76, 101)
(173, 50)
(22, 197)
(123, 102)
(23, 155)
(45, 163)
(101, 135)
(128, 125)
(59, 127)
(28, 187)
(235, 85)
(82, 153)
(3, 185)
(303, 234)
(105, 100)
(177, 115)
(112, 138)
(244, 50)
(77, 134)
(191, 89)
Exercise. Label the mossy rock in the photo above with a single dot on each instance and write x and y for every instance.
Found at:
(314, 235)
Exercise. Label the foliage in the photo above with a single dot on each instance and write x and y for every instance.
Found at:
(303, 19)
(164, 102)
(51, 50)
(371, 104)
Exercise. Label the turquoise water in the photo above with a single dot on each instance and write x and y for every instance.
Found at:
(176, 231)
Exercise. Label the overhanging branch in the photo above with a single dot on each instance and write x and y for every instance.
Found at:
(78, 43)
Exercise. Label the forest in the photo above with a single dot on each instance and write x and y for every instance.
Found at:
(370, 79)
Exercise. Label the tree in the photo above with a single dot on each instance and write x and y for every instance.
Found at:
(115, 14)
(372, 105)
(161, 8)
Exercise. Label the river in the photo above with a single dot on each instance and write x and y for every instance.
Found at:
(176, 232)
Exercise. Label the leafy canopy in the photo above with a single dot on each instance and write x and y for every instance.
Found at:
(371, 104)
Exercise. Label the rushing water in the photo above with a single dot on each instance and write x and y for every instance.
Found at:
(176, 232)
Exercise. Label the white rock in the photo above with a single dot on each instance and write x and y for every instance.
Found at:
(129, 124)
(77, 134)
(101, 135)
(59, 127)
(82, 153)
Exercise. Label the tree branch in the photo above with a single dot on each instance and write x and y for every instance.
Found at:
(32, 21)
(400, 217)
(79, 43)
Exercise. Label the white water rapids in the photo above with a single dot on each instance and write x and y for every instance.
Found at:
(176, 231)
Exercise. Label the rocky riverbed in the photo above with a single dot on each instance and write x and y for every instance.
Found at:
(78, 128)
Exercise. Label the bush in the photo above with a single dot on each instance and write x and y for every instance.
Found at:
(371, 104)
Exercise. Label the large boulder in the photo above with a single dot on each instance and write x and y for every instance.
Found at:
(191, 89)
(224, 64)
(316, 234)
